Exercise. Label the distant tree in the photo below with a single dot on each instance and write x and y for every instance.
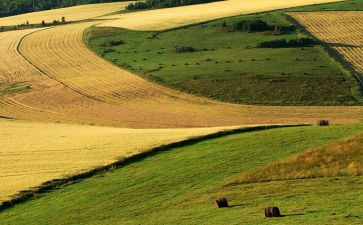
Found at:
(14, 7)
(27, 23)
(43, 23)
(63, 19)
(150, 4)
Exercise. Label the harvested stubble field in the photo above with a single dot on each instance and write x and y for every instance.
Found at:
(75, 13)
(342, 31)
(78, 86)
(174, 17)
(47, 151)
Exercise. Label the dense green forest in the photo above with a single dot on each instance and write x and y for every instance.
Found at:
(153, 4)
(14, 7)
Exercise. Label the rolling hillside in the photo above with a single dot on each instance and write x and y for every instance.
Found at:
(48, 151)
(230, 65)
(127, 117)
(75, 13)
(180, 186)
(161, 19)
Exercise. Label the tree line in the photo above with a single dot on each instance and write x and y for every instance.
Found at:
(14, 7)
(153, 4)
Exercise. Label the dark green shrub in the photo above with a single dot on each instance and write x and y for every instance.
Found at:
(182, 49)
(110, 43)
(283, 43)
(153, 4)
(251, 26)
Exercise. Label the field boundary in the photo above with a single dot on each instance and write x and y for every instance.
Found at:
(47, 75)
(332, 53)
(54, 184)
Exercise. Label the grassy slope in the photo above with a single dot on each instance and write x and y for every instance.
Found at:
(179, 187)
(343, 158)
(224, 68)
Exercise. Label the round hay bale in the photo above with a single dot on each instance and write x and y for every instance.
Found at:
(222, 203)
(272, 212)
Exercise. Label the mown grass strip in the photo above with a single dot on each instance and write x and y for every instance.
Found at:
(57, 183)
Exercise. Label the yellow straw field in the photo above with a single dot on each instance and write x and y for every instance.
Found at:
(32, 153)
(173, 17)
(75, 85)
(341, 30)
(75, 13)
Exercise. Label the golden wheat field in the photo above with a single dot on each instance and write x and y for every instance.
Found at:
(48, 151)
(75, 13)
(173, 17)
(78, 86)
(341, 30)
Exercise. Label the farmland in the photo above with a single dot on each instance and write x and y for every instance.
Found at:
(75, 13)
(101, 87)
(340, 30)
(48, 151)
(162, 19)
(180, 185)
(242, 71)
(147, 117)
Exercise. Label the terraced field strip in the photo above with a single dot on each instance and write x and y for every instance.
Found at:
(13, 68)
(342, 31)
(71, 14)
(48, 151)
(16, 73)
(61, 54)
(173, 17)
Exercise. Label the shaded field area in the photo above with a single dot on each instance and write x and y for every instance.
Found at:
(50, 151)
(225, 61)
(341, 31)
(181, 184)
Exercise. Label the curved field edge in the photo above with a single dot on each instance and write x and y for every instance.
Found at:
(242, 73)
(181, 186)
(161, 19)
(49, 151)
(133, 99)
(346, 49)
(36, 192)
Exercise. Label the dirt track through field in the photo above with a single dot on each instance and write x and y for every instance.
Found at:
(174, 17)
(342, 31)
(49, 151)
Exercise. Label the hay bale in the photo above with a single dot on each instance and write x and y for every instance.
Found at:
(272, 212)
(323, 123)
(222, 203)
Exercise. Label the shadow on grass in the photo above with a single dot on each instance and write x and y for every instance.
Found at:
(48, 186)
(294, 214)
(238, 205)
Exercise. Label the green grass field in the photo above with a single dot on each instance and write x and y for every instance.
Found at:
(229, 66)
(179, 186)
